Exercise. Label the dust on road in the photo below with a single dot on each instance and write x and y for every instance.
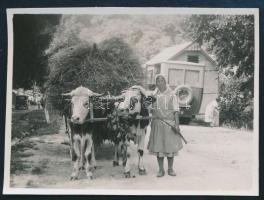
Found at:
(214, 158)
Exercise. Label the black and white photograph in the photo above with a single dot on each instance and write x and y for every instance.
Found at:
(132, 101)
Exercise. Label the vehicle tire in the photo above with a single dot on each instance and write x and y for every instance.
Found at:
(184, 93)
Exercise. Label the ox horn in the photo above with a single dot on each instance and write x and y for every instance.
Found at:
(119, 97)
(113, 98)
(67, 94)
(96, 94)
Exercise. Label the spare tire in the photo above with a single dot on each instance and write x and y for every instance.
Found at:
(184, 93)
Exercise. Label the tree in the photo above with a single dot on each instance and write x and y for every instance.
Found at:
(32, 34)
(65, 35)
(231, 40)
(171, 31)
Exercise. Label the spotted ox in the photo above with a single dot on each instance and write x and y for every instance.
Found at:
(80, 131)
(135, 104)
(84, 134)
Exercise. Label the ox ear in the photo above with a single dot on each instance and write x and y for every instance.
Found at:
(113, 98)
(143, 94)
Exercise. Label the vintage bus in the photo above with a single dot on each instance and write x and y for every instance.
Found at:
(191, 73)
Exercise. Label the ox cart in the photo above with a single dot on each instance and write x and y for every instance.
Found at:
(85, 120)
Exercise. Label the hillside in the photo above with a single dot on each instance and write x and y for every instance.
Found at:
(146, 34)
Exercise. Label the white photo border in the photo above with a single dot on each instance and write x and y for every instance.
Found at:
(254, 191)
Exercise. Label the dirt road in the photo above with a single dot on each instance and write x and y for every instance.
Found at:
(214, 158)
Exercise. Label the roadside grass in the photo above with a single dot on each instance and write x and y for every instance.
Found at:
(32, 123)
(24, 126)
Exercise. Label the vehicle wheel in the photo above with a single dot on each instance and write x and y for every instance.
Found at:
(184, 93)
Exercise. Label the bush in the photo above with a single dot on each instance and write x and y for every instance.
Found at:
(236, 105)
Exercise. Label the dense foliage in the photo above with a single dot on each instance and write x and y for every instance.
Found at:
(231, 40)
(109, 67)
(235, 108)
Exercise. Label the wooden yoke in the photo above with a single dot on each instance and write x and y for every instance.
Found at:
(91, 112)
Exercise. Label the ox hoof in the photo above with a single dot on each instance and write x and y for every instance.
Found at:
(124, 163)
(89, 175)
(73, 178)
(142, 171)
(127, 174)
(115, 163)
(92, 168)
